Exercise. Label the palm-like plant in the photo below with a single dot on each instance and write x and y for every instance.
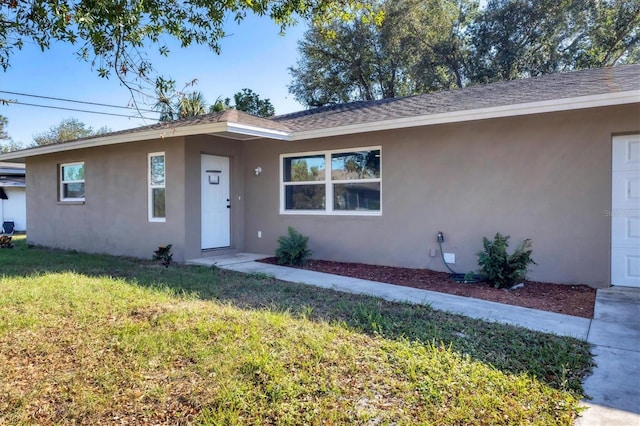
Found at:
(164, 107)
(191, 105)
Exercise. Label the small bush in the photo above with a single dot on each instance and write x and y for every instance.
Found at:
(502, 269)
(5, 241)
(292, 249)
(164, 254)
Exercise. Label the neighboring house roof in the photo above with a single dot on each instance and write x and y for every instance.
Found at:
(12, 181)
(11, 169)
(553, 92)
(11, 176)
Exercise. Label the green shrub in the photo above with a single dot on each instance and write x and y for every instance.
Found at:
(292, 249)
(164, 254)
(5, 241)
(502, 269)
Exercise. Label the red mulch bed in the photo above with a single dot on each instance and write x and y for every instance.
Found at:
(577, 300)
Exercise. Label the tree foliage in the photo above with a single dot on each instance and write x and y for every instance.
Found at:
(115, 35)
(3, 128)
(249, 101)
(415, 48)
(68, 129)
(426, 45)
(193, 104)
(525, 38)
(6, 143)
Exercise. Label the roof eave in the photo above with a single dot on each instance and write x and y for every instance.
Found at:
(224, 129)
(255, 132)
(555, 105)
(244, 132)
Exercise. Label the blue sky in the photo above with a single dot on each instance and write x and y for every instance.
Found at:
(253, 56)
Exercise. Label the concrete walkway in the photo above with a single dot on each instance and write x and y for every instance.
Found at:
(614, 331)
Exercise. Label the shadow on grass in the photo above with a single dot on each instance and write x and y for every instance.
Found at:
(560, 362)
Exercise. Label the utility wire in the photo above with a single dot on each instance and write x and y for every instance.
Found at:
(76, 101)
(82, 110)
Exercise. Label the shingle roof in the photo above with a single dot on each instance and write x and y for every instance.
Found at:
(11, 171)
(342, 119)
(229, 116)
(12, 182)
(595, 81)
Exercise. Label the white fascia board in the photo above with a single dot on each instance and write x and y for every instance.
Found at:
(167, 132)
(556, 105)
(258, 132)
(145, 135)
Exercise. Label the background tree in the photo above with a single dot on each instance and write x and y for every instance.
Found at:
(3, 128)
(248, 101)
(219, 105)
(115, 36)
(525, 38)
(6, 143)
(611, 35)
(417, 47)
(426, 45)
(193, 104)
(68, 129)
(165, 108)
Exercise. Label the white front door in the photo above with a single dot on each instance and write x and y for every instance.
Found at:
(625, 211)
(215, 199)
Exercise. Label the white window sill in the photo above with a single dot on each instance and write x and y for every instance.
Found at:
(331, 213)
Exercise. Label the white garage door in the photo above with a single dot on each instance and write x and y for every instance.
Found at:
(625, 211)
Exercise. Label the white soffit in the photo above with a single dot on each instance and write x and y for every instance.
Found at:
(555, 105)
(253, 132)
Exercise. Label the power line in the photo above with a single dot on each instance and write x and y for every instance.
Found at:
(76, 101)
(82, 110)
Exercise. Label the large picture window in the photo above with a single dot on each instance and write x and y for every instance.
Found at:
(332, 182)
(157, 187)
(72, 182)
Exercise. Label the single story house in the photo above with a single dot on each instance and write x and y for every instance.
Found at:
(13, 200)
(554, 158)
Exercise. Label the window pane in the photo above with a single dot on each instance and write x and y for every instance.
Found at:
(157, 170)
(355, 165)
(304, 169)
(158, 202)
(356, 196)
(75, 172)
(73, 190)
(305, 197)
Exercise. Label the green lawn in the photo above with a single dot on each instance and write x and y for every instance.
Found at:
(94, 339)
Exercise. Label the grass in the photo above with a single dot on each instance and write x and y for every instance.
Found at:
(96, 339)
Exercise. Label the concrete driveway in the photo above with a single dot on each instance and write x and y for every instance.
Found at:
(614, 385)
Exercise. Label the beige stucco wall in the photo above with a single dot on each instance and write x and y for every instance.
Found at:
(113, 219)
(545, 177)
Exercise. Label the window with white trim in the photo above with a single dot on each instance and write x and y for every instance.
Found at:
(157, 187)
(346, 181)
(72, 181)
